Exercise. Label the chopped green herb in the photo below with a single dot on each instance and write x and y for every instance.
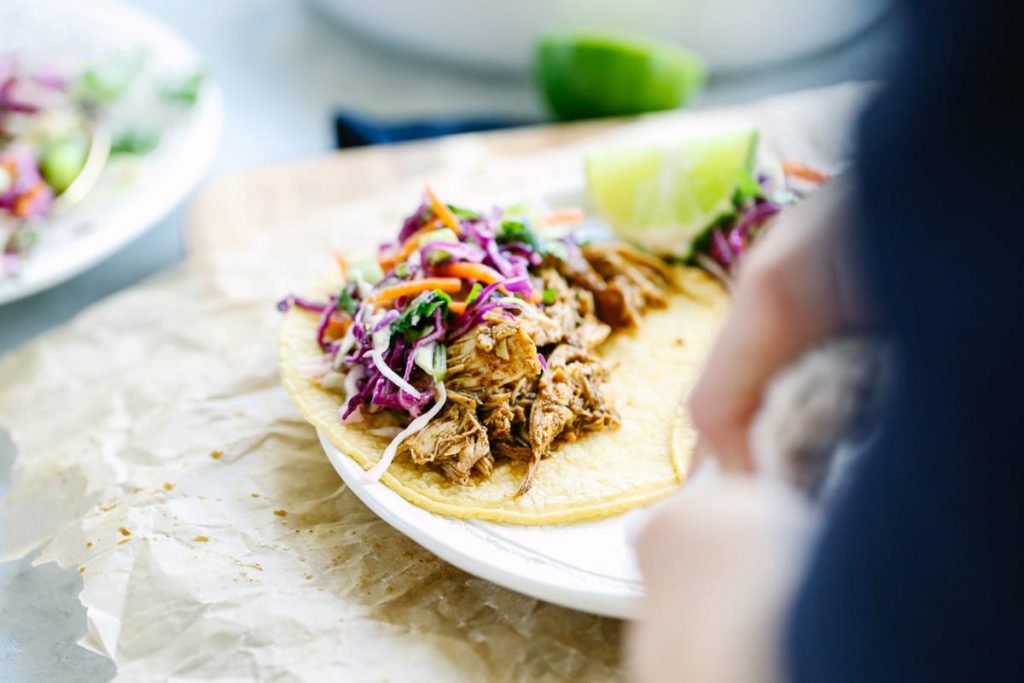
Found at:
(515, 230)
(135, 142)
(346, 302)
(463, 213)
(186, 91)
(104, 85)
(474, 293)
(419, 311)
(549, 296)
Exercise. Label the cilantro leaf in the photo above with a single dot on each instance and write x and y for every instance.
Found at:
(186, 91)
(516, 230)
(549, 296)
(463, 213)
(135, 142)
(474, 293)
(346, 302)
(420, 311)
(104, 85)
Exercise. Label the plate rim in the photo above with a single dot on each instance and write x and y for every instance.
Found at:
(618, 605)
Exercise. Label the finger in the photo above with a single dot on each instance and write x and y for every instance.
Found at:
(786, 300)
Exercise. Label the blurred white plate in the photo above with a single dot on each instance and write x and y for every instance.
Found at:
(730, 35)
(76, 32)
(587, 566)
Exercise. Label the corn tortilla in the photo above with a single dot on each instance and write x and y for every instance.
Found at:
(601, 474)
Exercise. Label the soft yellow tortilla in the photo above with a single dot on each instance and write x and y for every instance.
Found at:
(602, 474)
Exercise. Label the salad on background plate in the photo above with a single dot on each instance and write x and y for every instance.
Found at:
(68, 137)
(106, 123)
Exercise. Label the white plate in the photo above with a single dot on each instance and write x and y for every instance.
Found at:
(77, 32)
(587, 566)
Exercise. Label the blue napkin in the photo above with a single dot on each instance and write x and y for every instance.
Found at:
(355, 130)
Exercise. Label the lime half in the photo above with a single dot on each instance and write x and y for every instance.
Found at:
(664, 198)
(605, 74)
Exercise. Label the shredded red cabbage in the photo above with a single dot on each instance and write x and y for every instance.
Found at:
(413, 223)
(300, 302)
(325, 320)
(729, 243)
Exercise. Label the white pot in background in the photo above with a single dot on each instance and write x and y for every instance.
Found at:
(731, 35)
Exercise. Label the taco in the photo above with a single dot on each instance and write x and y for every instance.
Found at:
(493, 365)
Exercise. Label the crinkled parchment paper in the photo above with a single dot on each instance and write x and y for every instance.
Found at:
(159, 457)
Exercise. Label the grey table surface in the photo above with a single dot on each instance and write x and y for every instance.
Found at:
(284, 70)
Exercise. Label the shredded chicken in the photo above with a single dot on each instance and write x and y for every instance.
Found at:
(455, 441)
(490, 356)
(569, 402)
(623, 281)
(502, 402)
(574, 312)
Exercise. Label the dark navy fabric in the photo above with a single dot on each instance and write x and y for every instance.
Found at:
(357, 130)
(919, 573)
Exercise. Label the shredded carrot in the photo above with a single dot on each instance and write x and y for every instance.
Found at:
(342, 262)
(458, 307)
(337, 328)
(23, 204)
(445, 284)
(431, 225)
(536, 296)
(410, 245)
(470, 271)
(442, 211)
(567, 216)
(400, 254)
(795, 168)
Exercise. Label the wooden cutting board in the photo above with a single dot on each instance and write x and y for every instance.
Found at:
(241, 203)
(808, 126)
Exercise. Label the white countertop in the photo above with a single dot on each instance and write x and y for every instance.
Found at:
(284, 70)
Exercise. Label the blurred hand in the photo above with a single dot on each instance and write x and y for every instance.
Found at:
(720, 562)
(792, 292)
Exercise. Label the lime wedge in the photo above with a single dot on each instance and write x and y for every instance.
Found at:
(665, 198)
(604, 74)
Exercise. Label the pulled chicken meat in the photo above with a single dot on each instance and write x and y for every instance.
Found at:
(455, 441)
(502, 402)
(623, 280)
(569, 403)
